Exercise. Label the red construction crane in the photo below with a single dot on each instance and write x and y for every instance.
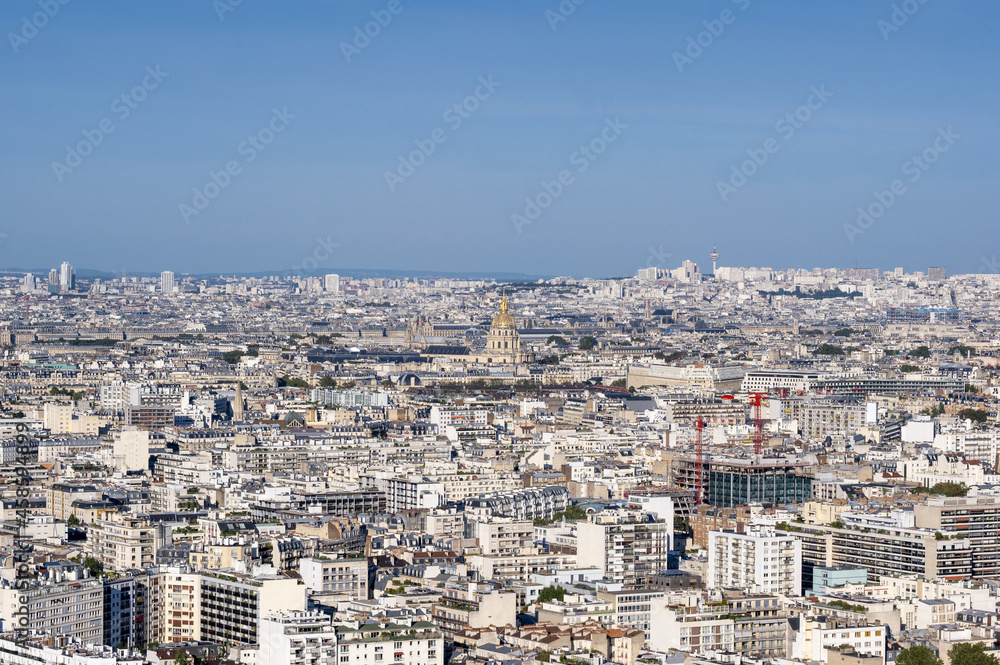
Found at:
(699, 462)
(757, 400)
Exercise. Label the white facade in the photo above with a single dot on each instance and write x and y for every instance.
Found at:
(759, 562)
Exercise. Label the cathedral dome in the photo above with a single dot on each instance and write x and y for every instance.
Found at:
(503, 320)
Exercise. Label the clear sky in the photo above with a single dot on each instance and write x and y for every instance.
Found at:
(671, 119)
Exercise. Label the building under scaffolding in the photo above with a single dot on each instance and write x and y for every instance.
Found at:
(739, 481)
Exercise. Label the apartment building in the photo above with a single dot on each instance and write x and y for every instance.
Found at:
(524, 504)
(818, 635)
(399, 638)
(342, 578)
(757, 561)
(474, 606)
(63, 602)
(628, 547)
(503, 536)
(123, 541)
(297, 638)
(406, 492)
(222, 607)
(749, 625)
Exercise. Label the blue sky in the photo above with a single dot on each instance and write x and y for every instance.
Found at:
(651, 197)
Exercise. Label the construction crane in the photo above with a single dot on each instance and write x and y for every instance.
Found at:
(757, 400)
(699, 462)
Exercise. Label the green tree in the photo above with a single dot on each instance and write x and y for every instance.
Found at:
(950, 489)
(557, 339)
(232, 357)
(94, 566)
(828, 350)
(73, 520)
(844, 332)
(551, 593)
(918, 655)
(975, 415)
(181, 658)
(921, 352)
(587, 343)
(619, 383)
(906, 369)
(971, 654)
(327, 382)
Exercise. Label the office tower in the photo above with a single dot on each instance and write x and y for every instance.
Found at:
(53, 277)
(67, 277)
(167, 281)
(332, 283)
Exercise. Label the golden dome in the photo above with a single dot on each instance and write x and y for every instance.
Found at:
(503, 320)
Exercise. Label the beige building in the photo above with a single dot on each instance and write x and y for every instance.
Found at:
(222, 607)
(123, 542)
(344, 579)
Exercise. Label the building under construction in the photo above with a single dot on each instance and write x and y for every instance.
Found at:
(735, 481)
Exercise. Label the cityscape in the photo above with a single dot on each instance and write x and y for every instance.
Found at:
(690, 464)
(462, 333)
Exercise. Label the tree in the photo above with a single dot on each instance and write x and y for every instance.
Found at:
(918, 655)
(844, 332)
(73, 520)
(551, 593)
(327, 382)
(975, 415)
(557, 339)
(619, 383)
(971, 654)
(94, 566)
(828, 350)
(181, 658)
(232, 357)
(587, 343)
(921, 352)
(950, 489)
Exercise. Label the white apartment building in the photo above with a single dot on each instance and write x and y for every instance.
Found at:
(297, 638)
(759, 562)
(344, 578)
(502, 536)
(629, 548)
(817, 635)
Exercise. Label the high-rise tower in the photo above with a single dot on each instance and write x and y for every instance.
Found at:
(715, 258)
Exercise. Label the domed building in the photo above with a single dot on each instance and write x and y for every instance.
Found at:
(503, 344)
